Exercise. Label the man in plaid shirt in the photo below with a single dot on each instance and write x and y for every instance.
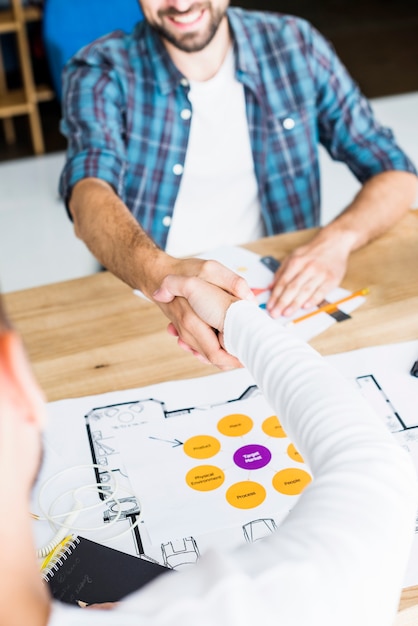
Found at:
(201, 128)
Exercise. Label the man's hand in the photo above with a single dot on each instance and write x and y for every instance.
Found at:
(207, 305)
(195, 333)
(311, 271)
(307, 275)
(208, 301)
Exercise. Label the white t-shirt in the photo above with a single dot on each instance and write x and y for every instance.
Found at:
(339, 556)
(217, 203)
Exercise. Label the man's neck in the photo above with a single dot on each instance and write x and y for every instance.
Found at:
(203, 65)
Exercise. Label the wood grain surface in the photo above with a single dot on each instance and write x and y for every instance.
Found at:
(93, 335)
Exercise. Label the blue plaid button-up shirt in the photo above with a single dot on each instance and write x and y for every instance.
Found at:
(124, 117)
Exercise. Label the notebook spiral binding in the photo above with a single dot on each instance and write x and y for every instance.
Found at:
(60, 554)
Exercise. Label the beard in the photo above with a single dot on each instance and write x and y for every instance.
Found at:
(192, 41)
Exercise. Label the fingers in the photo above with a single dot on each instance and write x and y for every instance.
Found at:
(219, 275)
(304, 279)
(196, 336)
(173, 286)
(302, 292)
(209, 302)
(102, 606)
(172, 330)
(222, 360)
(209, 271)
(212, 272)
(184, 346)
(216, 355)
(209, 288)
(197, 307)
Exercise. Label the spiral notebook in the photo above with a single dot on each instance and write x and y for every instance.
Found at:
(83, 570)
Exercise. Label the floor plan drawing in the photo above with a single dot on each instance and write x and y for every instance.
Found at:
(205, 463)
(109, 427)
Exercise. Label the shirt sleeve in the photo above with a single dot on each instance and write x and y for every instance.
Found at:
(340, 554)
(347, 126)
(93, 116)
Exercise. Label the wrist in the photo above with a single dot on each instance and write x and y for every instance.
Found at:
(153, 266)
(343, 237)
(157, 265)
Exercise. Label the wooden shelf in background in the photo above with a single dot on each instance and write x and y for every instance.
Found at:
(24, 101)
(44, 93)
(13, 103)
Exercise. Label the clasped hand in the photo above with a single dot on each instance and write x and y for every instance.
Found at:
(195, 296)
(196, 293)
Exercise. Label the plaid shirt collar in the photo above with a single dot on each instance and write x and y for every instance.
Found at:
(168, 77)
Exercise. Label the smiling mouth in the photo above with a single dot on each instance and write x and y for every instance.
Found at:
(186, 19)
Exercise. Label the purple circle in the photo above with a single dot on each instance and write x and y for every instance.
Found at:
(252, 457)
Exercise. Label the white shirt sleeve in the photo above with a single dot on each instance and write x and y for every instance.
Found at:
(339, 556)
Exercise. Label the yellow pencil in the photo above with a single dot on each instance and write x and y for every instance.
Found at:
(331, 306)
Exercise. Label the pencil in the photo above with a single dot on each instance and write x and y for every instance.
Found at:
(331, 306)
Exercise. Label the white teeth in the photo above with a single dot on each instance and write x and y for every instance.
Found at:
(187, 18)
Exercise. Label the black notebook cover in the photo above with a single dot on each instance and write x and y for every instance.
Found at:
(90, 572)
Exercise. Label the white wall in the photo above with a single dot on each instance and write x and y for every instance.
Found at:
(37, 241)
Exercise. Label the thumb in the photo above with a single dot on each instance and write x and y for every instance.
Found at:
(174, 285)
(163, 294)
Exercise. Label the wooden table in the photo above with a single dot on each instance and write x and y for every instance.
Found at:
(92, 335)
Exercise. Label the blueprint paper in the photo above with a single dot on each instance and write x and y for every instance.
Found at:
(213, 468)
(383, 375)
(113, 430)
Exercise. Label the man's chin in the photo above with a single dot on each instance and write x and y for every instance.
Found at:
(186, 42)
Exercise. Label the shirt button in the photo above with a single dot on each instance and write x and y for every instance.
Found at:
(166, 220)
(178, 169)
(184, 82)
(186, 114)
(288, 123)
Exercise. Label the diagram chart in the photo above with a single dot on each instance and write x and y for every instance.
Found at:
(245, 494)
(214, 467)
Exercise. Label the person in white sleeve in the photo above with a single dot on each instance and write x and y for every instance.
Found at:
(337, 559)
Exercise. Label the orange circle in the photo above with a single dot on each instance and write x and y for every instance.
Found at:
(294, 454)
(246, 495)
(201, 447)
(235, 425)
(205, 478)
(272, 427)
(291, 481)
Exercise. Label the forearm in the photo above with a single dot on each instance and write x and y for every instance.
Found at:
(379, 204)
(112, 234)
(115, 238)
